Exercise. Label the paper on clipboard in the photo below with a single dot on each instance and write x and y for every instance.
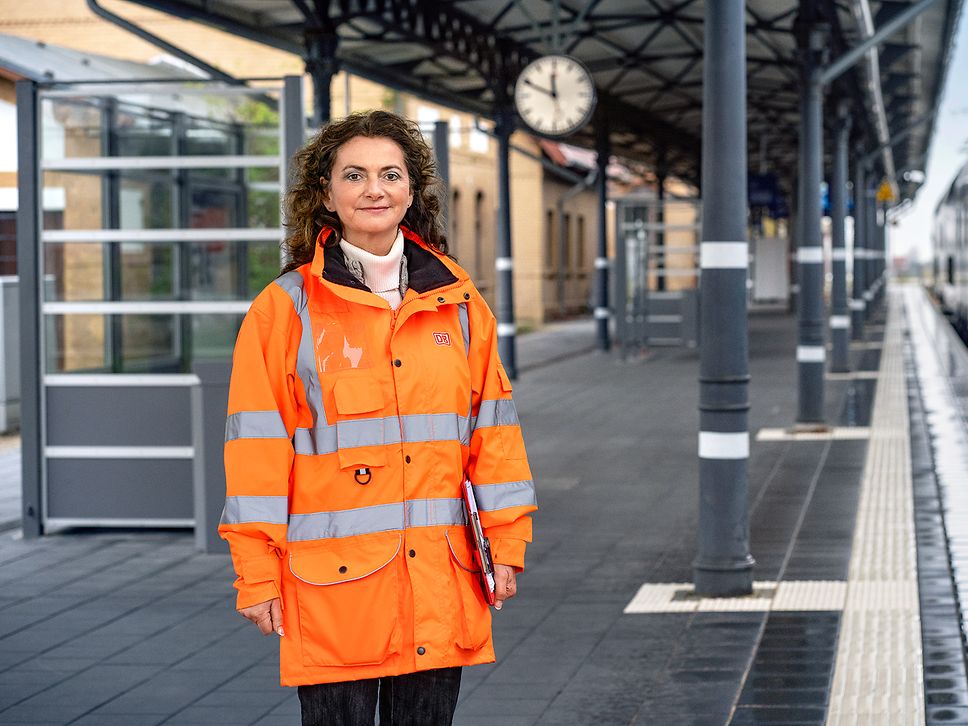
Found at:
(482, 546)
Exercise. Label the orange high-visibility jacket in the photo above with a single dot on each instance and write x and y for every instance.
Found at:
(350, 427)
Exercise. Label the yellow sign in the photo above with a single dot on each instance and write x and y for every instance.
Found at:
(885, 193)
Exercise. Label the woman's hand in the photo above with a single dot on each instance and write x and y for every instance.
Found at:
(267, 615)
(505, 585)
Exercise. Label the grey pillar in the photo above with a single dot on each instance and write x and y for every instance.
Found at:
(293, 121)
(660, 256)
(601, 259)
(442, 152)
(857, 301)
(504, 262)
(881, 260)
(31, 328)
(870, 246)
(839, 317)
(321, 65)
(724, 565)
(811, 349)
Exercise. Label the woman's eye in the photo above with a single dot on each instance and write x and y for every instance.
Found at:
(392, 176)
(354, 176)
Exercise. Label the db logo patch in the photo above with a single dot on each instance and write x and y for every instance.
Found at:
(442, 338)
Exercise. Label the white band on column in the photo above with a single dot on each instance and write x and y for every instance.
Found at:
(838, 254)
(602, 313)
(858, 304)
(810, 255)
(868, 295)
(724, 255)
(503, 263)
(795, 288)
(505, 330)
(839, 321)
(811, 354)
(601, 263)
(715, 445)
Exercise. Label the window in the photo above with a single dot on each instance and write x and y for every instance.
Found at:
(478, 233)
(551, 240)
(566, 248)
(453, 214)
(580, 233)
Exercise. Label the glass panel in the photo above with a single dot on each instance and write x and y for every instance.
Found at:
(213, 336)
(81, 272)
(75, 272)
(77, 343)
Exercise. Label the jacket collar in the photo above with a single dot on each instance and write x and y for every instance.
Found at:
(428, 270)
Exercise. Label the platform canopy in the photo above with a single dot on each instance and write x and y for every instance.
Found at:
(646, 57)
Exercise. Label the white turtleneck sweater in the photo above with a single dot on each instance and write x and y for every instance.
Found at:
(381, 273)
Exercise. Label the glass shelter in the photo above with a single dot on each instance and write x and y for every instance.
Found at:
(171, 225)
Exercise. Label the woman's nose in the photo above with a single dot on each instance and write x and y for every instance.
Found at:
(373, 188)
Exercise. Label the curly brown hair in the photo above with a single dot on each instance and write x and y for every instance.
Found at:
(304, 212)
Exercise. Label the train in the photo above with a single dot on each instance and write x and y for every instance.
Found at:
(949, 241)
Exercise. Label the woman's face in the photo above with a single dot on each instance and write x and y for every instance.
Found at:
(369, 190)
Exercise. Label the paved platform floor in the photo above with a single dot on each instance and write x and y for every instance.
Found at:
(135, 628)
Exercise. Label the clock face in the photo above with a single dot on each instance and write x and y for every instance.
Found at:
(555, 95)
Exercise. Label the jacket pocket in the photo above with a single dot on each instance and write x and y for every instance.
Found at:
(347, 594)
(512, 440)
(360, 425)
(474, 623)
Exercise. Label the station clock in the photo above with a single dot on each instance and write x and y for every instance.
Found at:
(555, 95)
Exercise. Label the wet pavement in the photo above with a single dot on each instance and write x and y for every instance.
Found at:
(136, 628)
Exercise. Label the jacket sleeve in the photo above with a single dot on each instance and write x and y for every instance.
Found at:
(261, 420)
(498, 465)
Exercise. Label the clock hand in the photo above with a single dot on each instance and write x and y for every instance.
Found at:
(535, 86)
(554, 86)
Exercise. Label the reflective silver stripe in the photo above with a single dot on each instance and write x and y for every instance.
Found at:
(465, 328)
(418, 427)
(509, 494)
(315, 442)
(255, 425)
(367, 432)
(378, 518)
(435, 512)
(271, 510)
(500, 412)
(465, 424)
(346, 522)
(292, 284)
(431, 427)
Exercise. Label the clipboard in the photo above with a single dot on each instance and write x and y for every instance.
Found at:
(482, 546)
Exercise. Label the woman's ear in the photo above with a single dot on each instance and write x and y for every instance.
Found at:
(324, 183)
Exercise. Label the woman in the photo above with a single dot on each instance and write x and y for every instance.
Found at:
(366, 385)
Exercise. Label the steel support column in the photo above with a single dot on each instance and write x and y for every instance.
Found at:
(601, 259)
(660, 235)
(504, 262)
(442, 152)
(321, 65)
(724, 565)
(31, 327)
(839, 317)
(811, 348)
(857, 300)
(870, 272)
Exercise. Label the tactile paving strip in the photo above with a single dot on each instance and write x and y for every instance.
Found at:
(837, 433)
(796, 596)
(877, 674)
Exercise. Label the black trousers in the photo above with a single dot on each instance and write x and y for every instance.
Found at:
(424, 698)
